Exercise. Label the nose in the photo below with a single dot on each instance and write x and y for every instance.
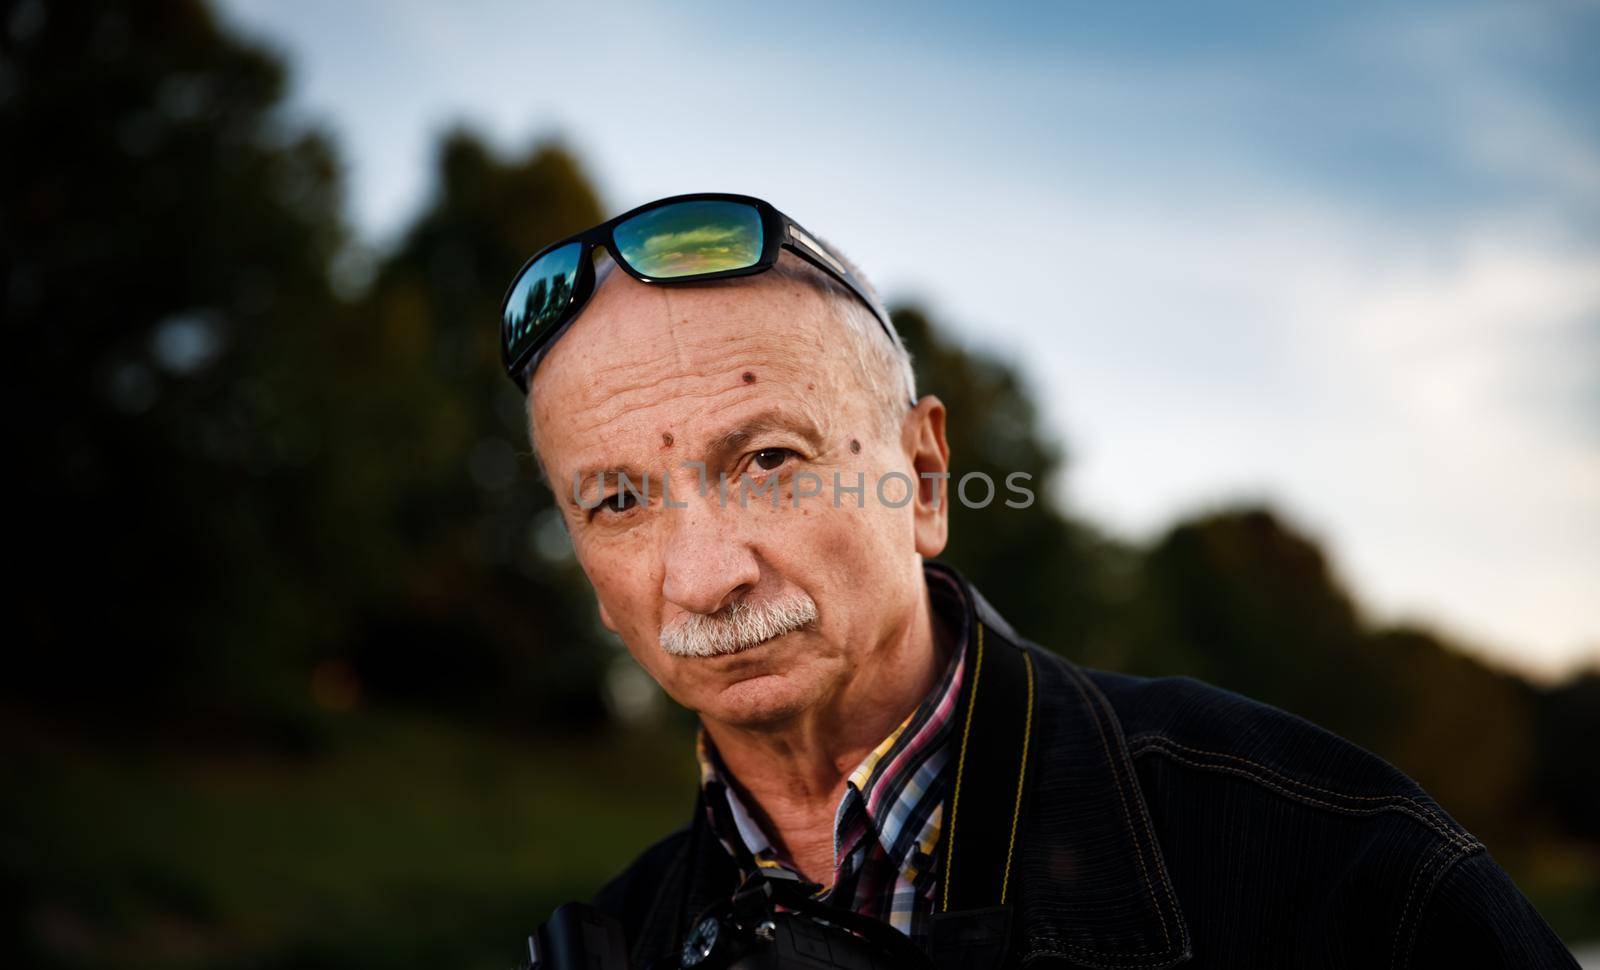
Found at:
(708, 565)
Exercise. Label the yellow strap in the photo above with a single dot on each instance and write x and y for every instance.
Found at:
(1022, 773)
(961, 765)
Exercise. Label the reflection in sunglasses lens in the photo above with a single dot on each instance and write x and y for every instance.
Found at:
(541, 294)
(689, 238)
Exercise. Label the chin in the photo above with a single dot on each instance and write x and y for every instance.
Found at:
(760, 701)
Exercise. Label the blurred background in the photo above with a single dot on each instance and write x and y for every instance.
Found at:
(1291, 311)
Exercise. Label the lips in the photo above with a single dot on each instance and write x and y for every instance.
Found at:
(746, 648)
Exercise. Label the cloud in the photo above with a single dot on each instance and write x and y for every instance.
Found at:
(1335, 256)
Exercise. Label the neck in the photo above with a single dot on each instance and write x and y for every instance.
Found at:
(792, 775)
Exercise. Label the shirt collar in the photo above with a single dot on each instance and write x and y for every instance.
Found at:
(904, 770)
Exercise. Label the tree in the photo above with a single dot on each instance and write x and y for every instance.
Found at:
(164, 230)
(470, 610)
(1239, 599)
(1051, 575)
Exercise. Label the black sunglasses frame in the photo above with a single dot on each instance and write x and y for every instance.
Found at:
(778, 232)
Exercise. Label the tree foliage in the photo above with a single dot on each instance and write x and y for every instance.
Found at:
(165, 235)
(1051, 574)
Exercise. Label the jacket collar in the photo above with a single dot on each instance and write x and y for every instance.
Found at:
(1092, 887)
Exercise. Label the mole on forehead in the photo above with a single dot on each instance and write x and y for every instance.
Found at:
(704, 386)
(725, 435)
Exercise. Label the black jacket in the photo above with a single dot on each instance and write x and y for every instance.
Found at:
(1168, 822)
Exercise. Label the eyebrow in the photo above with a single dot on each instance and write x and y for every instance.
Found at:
(717, 451)
(773, 419)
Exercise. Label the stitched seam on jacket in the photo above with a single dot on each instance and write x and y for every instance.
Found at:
(1309, 800)
(1122, 797)
(1423, 865)
(1445, 866)
(1279, 783)
(1144, 815)
(1094, 958)
(1163, 739)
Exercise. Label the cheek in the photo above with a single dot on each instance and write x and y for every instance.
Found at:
(623, 572)
(840, 555)
(626, 584)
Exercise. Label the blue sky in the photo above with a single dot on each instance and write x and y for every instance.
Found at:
(1340, 257)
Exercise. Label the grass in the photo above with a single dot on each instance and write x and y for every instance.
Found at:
(410, 842)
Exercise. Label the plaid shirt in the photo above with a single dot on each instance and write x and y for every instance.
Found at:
(887, 825)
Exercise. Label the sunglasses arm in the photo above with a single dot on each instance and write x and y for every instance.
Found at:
(809, 249)
(806, 247)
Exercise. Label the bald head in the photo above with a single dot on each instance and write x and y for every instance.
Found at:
(655, 335)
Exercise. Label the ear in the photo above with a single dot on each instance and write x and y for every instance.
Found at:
(922, 435)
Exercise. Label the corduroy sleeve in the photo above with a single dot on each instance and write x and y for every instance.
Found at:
(1476, 916)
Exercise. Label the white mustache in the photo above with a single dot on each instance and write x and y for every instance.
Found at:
(736, 627)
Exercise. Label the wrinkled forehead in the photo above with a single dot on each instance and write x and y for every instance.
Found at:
(656, 363)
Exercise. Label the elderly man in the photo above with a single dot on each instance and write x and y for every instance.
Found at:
(754, 490)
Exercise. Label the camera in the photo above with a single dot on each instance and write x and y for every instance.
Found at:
(772, 922)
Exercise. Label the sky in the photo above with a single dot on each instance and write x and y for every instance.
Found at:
(1342, 258)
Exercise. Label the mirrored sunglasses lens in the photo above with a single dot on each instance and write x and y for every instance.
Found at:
(539, 297)
(691, 238)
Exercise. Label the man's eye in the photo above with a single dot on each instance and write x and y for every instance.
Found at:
(618, 502)
(769, 458)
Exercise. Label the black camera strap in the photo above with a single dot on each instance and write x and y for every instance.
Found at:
(994, 745)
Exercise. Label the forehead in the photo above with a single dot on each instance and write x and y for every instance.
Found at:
(644, 362)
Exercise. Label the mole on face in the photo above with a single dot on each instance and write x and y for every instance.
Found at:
(855, 447)
(749, 377)
(666, 439)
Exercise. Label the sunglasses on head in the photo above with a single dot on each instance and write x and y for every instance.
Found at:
(682, 239)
